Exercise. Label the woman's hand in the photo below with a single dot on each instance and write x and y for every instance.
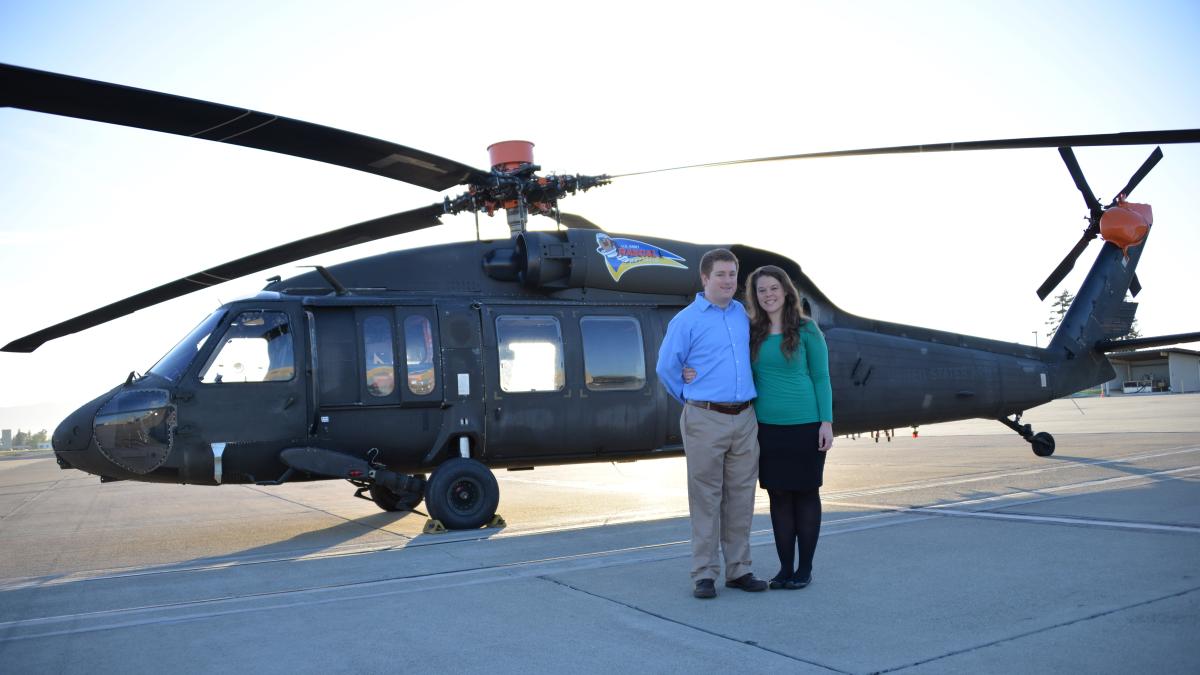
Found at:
(825, 437)
(689, 374)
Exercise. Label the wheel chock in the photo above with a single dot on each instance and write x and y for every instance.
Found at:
(433, 526)
(497, 521)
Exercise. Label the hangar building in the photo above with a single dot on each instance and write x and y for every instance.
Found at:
(1154, 370)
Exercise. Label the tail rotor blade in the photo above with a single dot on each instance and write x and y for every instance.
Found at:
(1064, 268)
(1089, 197)
(1141, 173)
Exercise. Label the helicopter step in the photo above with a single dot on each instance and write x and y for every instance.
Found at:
(1042, 442)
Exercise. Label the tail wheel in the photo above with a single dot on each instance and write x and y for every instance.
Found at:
(1043, 444)
(462, 493)
(391, 501)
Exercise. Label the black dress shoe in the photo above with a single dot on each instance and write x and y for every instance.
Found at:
(778, 583)
(705, 589)
(796, 582)
(747, 582)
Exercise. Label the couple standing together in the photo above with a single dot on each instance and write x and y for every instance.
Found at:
(718, 357)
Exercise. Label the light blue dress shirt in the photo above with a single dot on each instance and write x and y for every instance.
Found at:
(716, 343)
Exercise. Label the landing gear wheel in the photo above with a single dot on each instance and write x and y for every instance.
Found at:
(1043, 444)
(390, 501)
(462, 493)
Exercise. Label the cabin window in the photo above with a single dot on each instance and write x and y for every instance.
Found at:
(418, 355)
(379, 356)
(613, 358)
(531, 353)
(256, 348)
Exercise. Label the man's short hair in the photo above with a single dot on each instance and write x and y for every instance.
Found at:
(714, 256)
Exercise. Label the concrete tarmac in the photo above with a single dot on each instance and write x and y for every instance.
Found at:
(959, 551)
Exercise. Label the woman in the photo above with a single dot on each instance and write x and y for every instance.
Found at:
(795, 417)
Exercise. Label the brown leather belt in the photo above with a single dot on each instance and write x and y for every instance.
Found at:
(727, 408)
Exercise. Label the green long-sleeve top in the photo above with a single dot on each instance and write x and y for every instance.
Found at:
(795, 390)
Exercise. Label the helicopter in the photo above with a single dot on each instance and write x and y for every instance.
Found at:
(416, 373)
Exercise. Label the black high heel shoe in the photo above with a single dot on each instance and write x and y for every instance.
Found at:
(778, 583)
(797, 583)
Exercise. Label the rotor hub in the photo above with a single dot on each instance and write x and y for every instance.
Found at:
(513, 185)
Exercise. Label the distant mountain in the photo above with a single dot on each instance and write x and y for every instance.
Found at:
(34, 417)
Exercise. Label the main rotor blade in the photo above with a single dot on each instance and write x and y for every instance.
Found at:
(40, 91)
(360, 233)
(1124, 138)
(1064, 268)
(1089, 197)
(1140, 173)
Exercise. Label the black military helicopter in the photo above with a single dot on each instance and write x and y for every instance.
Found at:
(539, 349)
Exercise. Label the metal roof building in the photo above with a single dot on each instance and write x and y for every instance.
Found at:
(1154, 370)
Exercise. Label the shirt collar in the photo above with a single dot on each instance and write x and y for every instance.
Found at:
(705, 304)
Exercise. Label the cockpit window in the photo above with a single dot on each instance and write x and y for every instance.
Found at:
(180, 357)
(256, 348)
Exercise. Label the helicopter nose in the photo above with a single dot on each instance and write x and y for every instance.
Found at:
(72, 439)
(118, 435)
(74, 434)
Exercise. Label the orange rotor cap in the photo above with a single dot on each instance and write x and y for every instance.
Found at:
(508, 155)
(1126, 224)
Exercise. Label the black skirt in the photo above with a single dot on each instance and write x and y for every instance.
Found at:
(788, 457)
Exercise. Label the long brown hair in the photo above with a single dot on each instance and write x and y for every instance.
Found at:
(760, 322)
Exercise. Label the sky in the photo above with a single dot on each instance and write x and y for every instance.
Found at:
(91, 213)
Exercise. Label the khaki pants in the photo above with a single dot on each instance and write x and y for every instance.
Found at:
(722, 466)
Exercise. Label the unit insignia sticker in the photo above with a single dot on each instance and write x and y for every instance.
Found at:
(621, 255)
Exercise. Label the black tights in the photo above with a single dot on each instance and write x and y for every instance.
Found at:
(796, 519)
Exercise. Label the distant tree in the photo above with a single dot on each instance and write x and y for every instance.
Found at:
(1133, 332)
(21, 440)
(1058, 309)
(39, 438)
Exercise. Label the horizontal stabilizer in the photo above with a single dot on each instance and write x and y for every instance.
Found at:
(1108, 346)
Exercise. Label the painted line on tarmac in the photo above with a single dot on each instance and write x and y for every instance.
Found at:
(1040, 493)
(210, 608)
(946, 482)
(1065, 520)
(1038, 631)
(1039, 496)
(882, 515)
(29, 500)
(662, 617)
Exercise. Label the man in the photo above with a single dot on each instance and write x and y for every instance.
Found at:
(720, 432)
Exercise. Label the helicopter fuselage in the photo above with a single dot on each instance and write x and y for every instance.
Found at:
(511, 374)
